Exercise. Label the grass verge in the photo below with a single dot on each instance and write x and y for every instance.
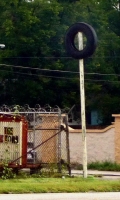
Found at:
(55, 185)
(104, 166)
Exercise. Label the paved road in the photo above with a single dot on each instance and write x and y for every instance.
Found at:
(63, 196)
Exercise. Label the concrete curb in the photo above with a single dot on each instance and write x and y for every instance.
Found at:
(97, 173)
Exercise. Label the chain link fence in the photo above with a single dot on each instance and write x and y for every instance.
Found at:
(46, 142)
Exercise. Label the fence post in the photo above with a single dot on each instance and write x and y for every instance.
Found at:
(67, 144)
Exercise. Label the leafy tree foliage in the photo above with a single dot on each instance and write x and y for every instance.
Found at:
(34, 66)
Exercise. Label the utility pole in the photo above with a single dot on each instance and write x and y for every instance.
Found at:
(82, 98)
(80, 52)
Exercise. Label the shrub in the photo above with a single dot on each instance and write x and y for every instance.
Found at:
(7, 173)
(104, 166)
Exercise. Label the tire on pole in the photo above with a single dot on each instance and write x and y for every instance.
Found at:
(91, 42)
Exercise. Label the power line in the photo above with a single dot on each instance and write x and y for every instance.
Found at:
(60, 71)
(102, 74)
(21, 73)
(58, 57)
(109, 81)
(65, 78)
(38, 69)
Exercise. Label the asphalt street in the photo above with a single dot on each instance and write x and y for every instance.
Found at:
(63, 196)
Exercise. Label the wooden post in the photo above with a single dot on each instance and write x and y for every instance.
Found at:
(82, 98)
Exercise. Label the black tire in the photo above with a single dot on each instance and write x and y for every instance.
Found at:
(91, 43)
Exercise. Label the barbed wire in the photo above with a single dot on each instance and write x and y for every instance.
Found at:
(26, 108)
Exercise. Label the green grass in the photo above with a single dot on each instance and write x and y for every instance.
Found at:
(50, 181)
(104, 166)
(45, 185)
(97, 165)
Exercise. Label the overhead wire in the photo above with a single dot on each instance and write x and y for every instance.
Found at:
(56, 77)
(39, 69)
(57, 57)
(37, 75)
(60, 71)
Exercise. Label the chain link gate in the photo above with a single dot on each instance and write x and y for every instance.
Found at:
(46, 142)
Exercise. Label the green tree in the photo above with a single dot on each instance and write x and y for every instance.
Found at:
(107, 61)
(34, 36)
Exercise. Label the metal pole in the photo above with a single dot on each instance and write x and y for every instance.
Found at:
(82, 97)
(34, 159)
(59, 146)
(67, 145)
(59, 152)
